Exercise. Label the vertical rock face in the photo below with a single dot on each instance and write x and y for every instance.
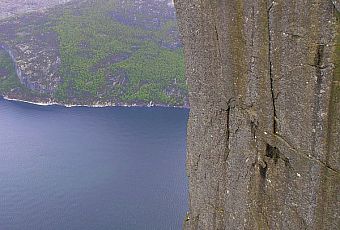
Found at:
(264, 128)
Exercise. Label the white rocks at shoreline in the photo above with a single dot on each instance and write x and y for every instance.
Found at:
(98, 105)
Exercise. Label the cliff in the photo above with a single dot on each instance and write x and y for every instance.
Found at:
(264, 127)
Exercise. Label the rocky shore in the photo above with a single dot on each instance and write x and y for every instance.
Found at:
(94, 105)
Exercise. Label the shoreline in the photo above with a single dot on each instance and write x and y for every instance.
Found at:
(150, 105)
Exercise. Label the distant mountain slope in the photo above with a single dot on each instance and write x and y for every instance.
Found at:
(10, 8)
(98, 52)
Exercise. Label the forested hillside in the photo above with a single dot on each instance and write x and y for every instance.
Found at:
(97, 52)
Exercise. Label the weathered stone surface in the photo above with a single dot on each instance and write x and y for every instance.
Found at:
(264, 128)
(336, 4)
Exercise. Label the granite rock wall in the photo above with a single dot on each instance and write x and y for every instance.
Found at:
(264, 127)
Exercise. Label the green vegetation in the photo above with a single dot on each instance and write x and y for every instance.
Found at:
(157, 68)
(8, 78)
(124, 52)
(89, 36)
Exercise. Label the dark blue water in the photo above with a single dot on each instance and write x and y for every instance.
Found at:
(85, 168)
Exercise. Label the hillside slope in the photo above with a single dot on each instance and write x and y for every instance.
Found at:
(11, 8)
(107, 52)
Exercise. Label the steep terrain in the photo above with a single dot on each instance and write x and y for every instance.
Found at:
(11, 8)
(98, 52)
(264, 128)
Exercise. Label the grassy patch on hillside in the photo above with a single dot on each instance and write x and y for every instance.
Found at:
(89, 34)
(8, 78)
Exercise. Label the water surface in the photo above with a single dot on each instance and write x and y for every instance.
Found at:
(91, 168)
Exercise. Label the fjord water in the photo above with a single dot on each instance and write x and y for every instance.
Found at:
(91, 168)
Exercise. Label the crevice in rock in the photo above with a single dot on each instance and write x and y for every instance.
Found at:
(270, 6)
(253, 127)
(336, 4)
(217, 39)
(318, 63)
(228, 127)
(230, 105)
(197, 162)
(273, 100)
(320, 49)
(263, 170)
(320, 67)
(253, 30)
(271, 69)
(216, 33)
(295, 151)
(275, 154)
